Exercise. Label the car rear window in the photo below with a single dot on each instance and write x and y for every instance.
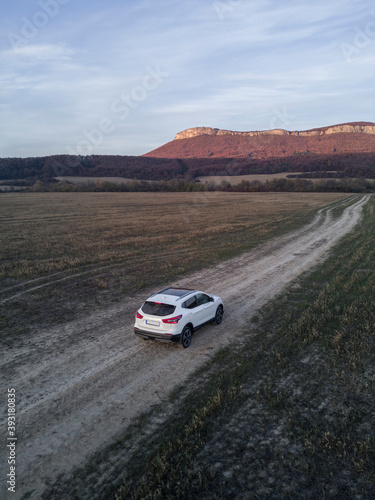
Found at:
(157, 309)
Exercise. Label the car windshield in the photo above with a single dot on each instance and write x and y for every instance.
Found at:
(157, 309)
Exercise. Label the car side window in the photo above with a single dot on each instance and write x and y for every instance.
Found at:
(202, 298)
(191, 303)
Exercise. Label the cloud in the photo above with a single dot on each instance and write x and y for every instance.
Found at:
(228, 68)
(46, 52)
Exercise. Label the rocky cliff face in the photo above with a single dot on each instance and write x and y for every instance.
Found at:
(336, 129)
(207, 142)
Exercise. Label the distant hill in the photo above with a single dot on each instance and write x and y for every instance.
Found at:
(348, 149)
(206, 142)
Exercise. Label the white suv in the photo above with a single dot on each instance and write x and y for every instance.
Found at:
(175, 313)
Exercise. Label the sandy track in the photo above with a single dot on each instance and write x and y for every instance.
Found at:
(78, 385)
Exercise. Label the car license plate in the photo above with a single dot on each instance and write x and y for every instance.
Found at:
(151, 322)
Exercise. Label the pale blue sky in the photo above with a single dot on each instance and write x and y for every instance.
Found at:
(123, 77)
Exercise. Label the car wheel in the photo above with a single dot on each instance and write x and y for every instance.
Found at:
(186, 336)
(219, 315)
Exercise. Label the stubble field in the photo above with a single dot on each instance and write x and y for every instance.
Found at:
(284, 406)
(289, 411)
(67, 253)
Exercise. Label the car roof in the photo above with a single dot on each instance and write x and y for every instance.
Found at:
(171, 295)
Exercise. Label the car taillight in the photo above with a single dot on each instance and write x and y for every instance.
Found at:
(172, 321)
(138, 316)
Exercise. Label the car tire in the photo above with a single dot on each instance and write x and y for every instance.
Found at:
(186, 336)
(219, 315)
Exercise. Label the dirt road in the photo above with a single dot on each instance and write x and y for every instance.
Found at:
(79, 384)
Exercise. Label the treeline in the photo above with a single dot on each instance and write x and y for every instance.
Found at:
(49, 167)
(46, 169)
(273, 185)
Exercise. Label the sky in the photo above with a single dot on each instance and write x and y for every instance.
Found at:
(124, 77)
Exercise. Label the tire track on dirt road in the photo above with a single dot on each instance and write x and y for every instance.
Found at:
(79, 384)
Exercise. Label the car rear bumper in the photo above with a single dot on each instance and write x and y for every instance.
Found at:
(157, 336)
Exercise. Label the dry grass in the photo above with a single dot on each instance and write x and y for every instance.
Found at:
(234, 180)
(289, 413)
(44, 233)
(286, 413)
(62, 253)
(95, 180)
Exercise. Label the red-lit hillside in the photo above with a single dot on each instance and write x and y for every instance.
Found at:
(205, 142)
(348, 149)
